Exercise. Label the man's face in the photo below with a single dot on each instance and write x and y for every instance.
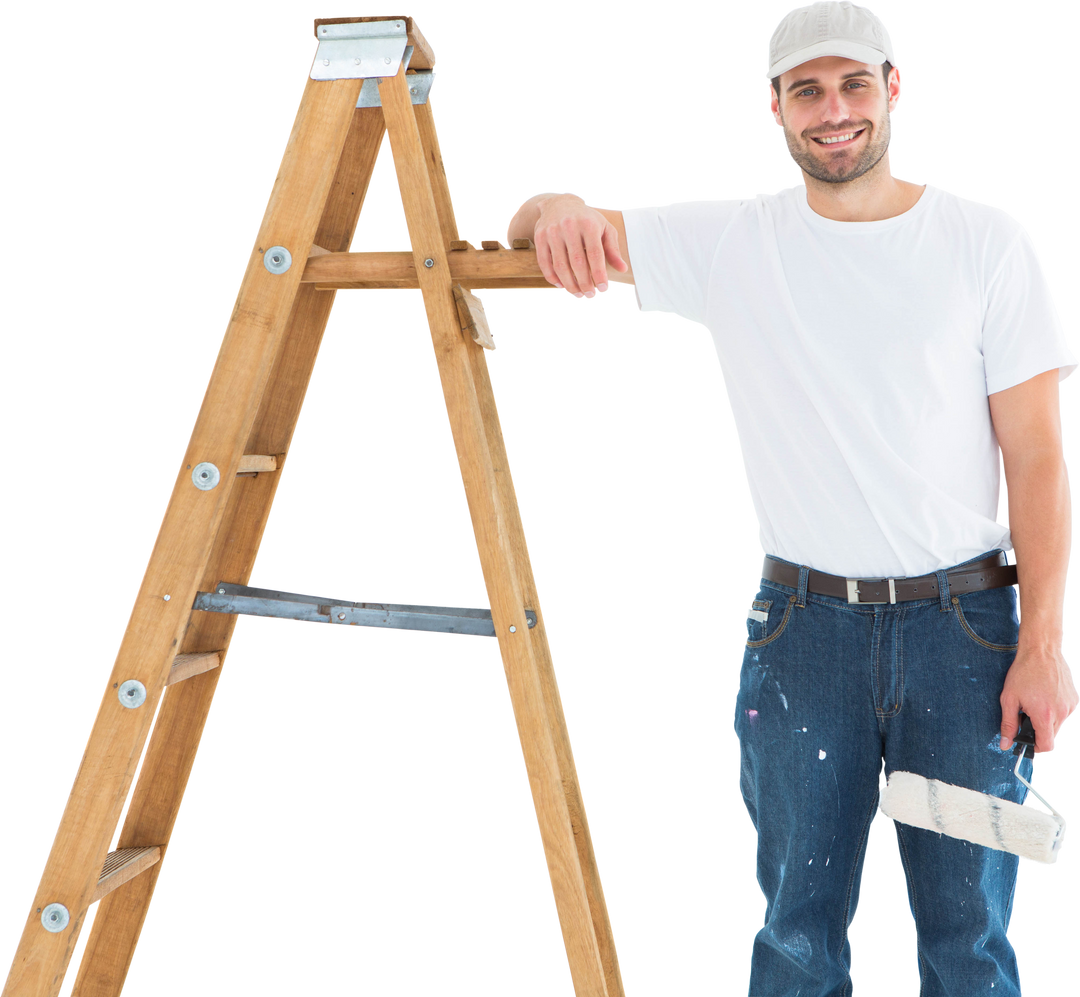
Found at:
(835, 114)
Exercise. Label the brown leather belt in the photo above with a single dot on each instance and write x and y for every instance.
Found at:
(991, 572)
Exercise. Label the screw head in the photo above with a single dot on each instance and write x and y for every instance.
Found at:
(166, 597)
(326, 62)
(55, 918)
(412, 89)
(429, 263)
(220, 591)
(341, 616)
(386, 59)
(356, 62)
(205, 476)
(513, 630)
(277, 259)
(131, 694)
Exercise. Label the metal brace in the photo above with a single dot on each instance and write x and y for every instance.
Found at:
(231, 598)
(368, 51)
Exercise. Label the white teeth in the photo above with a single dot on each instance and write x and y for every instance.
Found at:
(837, 138)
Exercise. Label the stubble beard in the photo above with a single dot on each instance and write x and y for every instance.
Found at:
(821, 169)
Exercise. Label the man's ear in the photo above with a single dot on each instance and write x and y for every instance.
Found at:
(893, 88)
(774, 105)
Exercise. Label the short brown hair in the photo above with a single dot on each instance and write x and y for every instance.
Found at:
(886, 68)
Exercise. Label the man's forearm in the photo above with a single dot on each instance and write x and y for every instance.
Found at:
(1040, 524)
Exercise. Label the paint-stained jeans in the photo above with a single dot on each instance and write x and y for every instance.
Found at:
(828, 691)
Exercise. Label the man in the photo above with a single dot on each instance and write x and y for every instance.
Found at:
(879, 341)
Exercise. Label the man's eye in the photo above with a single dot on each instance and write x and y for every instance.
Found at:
(803, 92)
(799, 94)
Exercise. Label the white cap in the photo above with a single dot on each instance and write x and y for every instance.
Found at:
(828, 29)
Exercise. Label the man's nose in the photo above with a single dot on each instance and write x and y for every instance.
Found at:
(835, 108)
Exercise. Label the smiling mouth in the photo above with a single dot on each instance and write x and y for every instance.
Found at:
(840, 145)
(835, 140)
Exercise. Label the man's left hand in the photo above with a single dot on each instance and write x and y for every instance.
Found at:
(1040, 684)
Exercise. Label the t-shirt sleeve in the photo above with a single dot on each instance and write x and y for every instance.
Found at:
(671, 252)
(1022, 334)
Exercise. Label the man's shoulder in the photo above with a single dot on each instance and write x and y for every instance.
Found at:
(946, 199)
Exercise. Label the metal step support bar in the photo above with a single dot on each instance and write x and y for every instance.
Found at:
(265, 602)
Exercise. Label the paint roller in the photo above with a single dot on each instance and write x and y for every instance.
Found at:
(978, 817)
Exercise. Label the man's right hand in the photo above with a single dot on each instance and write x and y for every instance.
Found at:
(575, 244)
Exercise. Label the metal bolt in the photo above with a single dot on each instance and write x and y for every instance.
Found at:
(55, 918)
(220, 591)
(513, 630)
(277, 259)
(324, 31)
(326, 62)
(412, 89)
(386, 59)
(341, 616)
(356, 62)
(131, 693)
(166, 597)
(205, 476)
(429, 263)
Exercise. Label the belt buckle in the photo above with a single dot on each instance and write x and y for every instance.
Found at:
(853, 591)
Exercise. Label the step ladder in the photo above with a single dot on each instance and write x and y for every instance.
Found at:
(370, 75)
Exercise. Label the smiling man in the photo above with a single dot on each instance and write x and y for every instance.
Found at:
(836, 118)
(881, 342)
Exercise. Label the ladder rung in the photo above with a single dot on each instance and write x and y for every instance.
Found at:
(122, 865)
(186, 666)
(253, 463)
(230, 598)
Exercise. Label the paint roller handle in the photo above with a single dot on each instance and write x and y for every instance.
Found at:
(1024, 742)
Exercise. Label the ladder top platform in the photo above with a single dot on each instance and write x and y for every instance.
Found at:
(423, 56)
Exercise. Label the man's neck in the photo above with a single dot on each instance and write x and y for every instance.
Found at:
(887, 200)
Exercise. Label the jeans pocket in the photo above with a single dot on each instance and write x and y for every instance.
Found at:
(988, 618)
(764, 624)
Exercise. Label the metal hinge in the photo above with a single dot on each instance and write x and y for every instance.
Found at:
(368, 51)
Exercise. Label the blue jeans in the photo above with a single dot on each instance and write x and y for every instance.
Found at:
(829, 690)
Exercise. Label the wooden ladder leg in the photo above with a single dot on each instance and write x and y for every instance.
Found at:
(541, 727)
(183, 547)
(119, 920)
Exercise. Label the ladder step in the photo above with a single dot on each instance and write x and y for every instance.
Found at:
(122, 865)
(185, 666)
(229, 598)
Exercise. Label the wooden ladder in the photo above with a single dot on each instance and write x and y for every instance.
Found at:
(224, 488)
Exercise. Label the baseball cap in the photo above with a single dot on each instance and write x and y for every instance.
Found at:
(827, 27)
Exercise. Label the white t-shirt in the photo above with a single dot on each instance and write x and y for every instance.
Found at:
(858, 357)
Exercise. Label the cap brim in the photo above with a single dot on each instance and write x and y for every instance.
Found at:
(837, 46)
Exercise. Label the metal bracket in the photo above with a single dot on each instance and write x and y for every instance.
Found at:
(419, 87)
(359, 51)
(229, 598)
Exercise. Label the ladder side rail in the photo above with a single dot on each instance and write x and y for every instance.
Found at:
(516, 533)
(184, 541)
(492, 526)
(118, 925)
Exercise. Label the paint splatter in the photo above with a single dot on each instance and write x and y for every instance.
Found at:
(751, 715)
(798, 946)
(821, 754)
